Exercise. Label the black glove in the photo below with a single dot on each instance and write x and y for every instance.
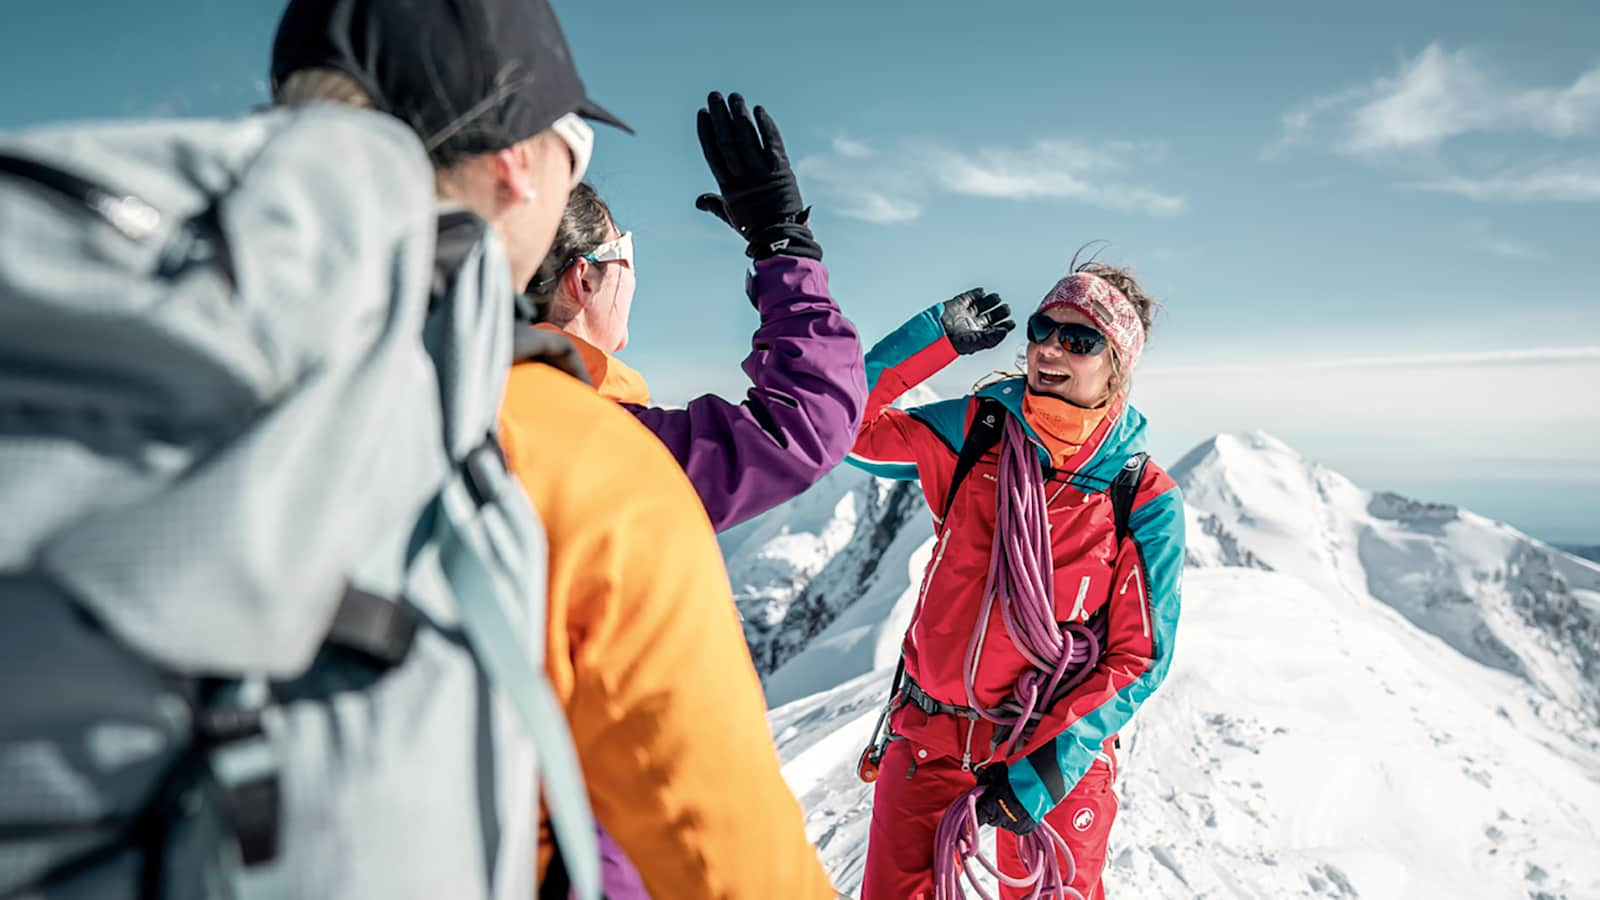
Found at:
(998, 804)
(975, 321)
(760, 197)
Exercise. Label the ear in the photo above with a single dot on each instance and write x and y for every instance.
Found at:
(513, 171)
(576, 280)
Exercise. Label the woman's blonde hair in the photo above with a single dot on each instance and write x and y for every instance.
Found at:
(1122, 279)
(320, 86)
(332, 86)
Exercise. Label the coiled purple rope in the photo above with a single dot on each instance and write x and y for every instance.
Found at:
(1021, 579)
(956, 846)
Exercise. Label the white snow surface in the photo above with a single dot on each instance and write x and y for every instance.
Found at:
(1370, 697)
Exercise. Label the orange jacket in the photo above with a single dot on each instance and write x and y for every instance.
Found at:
(614, 379)
(646, 652)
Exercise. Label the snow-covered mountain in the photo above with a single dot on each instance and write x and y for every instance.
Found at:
(799, 567)
(1494, 594)
(1371, 696)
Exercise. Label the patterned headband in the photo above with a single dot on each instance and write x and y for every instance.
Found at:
(1111, 312)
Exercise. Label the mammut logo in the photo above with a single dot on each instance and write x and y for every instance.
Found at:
(1083, 820)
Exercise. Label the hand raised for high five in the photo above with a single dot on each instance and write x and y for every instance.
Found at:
(759, 195)
(974, 321)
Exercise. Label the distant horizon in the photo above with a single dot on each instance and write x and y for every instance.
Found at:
(1549, 509)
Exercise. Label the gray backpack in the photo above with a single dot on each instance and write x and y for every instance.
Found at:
(271, 607)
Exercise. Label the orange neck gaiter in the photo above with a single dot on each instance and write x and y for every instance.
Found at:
(1063, 427)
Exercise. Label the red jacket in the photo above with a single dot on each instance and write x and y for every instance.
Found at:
(1137, 582)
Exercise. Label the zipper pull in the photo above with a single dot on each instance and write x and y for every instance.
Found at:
(966, 751)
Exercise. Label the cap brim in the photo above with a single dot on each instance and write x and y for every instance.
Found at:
(597, 113)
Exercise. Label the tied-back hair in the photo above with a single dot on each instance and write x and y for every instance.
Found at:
(320, 86)
(323, 85)
(584, 225)
(1120, 278)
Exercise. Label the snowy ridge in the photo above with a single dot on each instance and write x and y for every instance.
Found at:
(1370, 696)
(793, 578)
(1494, 594)
(797, 568)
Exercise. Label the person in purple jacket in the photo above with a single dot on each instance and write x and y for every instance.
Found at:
(800, 415)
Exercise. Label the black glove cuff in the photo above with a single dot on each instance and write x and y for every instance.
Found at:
(784, 239)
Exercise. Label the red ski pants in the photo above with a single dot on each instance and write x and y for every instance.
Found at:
(906, 813)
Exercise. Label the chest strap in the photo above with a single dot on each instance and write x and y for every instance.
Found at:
(914, 695)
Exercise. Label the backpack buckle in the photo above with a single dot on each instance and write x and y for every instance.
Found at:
(244, 767)
(476, 467)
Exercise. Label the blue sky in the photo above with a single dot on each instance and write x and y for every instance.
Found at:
(1373, 225)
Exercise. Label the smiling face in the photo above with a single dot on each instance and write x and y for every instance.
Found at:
(1053, 369)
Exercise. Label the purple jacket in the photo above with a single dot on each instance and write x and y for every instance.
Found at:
(797, 421)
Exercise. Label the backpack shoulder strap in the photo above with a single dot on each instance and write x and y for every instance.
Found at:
(551, 348)
(521, 676)
(1124, 488)
(982, 436)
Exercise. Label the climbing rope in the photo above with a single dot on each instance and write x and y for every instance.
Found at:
(1021, 581)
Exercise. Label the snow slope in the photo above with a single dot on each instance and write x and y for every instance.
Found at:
(1370, 697)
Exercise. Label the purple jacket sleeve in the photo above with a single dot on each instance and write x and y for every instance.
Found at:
(796, 422)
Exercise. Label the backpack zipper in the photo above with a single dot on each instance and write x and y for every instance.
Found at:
(134, 218)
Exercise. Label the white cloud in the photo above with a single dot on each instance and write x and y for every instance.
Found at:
(860, 189)
(1437, 96)
(868, 186)
(1510, 249)
(1571, 181)
(1056, 169)
(1412, 118)
(1484, 238)
(1297, 123)
(851, 149)
(871, 206)
(1440, 95)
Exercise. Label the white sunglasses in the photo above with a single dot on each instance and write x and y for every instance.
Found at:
(618, 249)
(579, 138)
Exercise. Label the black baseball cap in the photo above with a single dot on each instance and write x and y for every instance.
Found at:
(469, 76)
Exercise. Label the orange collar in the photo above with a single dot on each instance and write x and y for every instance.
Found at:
(614, 379)
(1063, 427)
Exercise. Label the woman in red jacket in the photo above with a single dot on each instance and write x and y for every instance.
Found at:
(1043, 621)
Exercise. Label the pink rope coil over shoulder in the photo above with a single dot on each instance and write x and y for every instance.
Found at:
(1021, 580)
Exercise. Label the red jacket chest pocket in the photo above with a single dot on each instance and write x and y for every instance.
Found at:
(1083, 541)
(1081, 590)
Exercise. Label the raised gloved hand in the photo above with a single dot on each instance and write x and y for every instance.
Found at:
(975, 321)
(760, 197)
(998, 804)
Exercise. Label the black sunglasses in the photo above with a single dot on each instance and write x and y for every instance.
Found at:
(1075, 336)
